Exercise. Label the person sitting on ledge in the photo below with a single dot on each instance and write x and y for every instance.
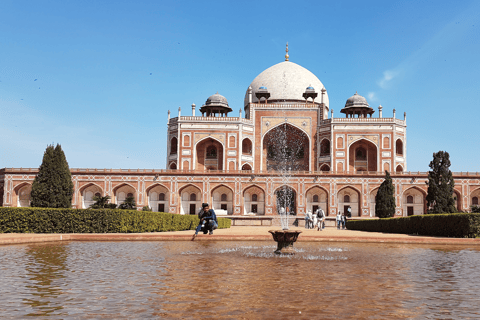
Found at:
(208, 221)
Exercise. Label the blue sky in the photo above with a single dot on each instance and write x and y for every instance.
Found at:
(98, 77)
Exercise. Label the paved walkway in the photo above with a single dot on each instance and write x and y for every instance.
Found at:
(238, 234)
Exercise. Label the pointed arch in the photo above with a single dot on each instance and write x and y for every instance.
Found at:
(419, 201)
(269, 163)
(317, 197)
(222, 199)
(121, 191)
(22, 193)
(187, 204)
(200, 159)
(362, 154)
(253, 200)
(247, 146)
(154, 198)
(355, 200)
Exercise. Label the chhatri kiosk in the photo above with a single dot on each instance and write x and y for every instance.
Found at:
(227, 160)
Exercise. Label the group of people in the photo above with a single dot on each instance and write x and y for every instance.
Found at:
(315, 220)
(208, 221)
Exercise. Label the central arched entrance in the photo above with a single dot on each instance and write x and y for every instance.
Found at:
(286, 147)
(285, 200)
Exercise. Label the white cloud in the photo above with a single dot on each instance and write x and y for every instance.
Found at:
(388, 75)
(372, 97)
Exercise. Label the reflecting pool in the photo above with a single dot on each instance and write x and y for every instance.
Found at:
(238, 280)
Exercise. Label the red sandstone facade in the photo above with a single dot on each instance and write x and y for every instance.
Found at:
(227, 161)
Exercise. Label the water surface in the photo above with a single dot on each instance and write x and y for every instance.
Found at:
(237, 280)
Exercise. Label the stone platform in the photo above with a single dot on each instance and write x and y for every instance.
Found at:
(241, 233)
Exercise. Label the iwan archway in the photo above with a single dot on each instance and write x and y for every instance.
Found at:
(362, 156)
(286, 147)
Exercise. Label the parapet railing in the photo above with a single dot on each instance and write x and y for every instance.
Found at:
(210, 119)
(273, 105)
(362, 120)
(235, 172)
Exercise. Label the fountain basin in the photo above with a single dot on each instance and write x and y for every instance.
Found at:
(285, 240)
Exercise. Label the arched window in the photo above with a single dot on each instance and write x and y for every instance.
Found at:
(399, 168)
(211, 152)
(346, 198)
(410, 199)
(246, 167)
(361, 154)
(340, 143)
(315, 198)
(173, 166)
(246, 146)
(173, 145)
(129, 195)
(325, 168)
(223, 197)
(325, 147)
(161, 197)
(193, 197)
(475, 201)
(386, 143)
(254, 197)
(399, 147)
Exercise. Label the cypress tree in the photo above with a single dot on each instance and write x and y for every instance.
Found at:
(385, 199)
(53, 186)
(440, 185)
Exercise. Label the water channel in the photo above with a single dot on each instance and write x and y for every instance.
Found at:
(237, 280)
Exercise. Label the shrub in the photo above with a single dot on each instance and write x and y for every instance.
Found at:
(50, 220)
(458, 225)
(146, 208)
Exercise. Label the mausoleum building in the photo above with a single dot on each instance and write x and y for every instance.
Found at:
(231, 161)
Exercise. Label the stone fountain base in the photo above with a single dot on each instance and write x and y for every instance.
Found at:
(285, 240)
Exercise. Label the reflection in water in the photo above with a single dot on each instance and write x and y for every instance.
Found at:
(225, 280)
(45, 267)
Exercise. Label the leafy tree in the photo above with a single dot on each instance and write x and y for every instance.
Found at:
(129, 204)
(475, 209)
(100, 202)
(440, 185)
(53, 186)
(385, 199)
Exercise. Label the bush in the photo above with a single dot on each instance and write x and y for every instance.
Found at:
(50, 220)
(457, 225)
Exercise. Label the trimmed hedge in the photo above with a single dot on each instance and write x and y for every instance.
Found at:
(49, 220)
(457, 225)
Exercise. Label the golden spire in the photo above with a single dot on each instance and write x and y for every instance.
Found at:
(286, 55)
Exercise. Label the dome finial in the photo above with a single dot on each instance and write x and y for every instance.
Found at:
(286, 55)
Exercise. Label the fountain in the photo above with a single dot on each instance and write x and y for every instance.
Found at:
(285, 154)
(285, 240)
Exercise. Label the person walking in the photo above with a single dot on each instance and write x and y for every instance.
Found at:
(338, 220)
(208, 221)
(344, 221)
(320, 219)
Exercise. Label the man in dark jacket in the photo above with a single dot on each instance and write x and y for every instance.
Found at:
(208, 221)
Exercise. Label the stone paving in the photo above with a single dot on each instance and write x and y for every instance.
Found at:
(330, 234)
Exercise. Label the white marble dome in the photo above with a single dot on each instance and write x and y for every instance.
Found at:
(287, 81)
